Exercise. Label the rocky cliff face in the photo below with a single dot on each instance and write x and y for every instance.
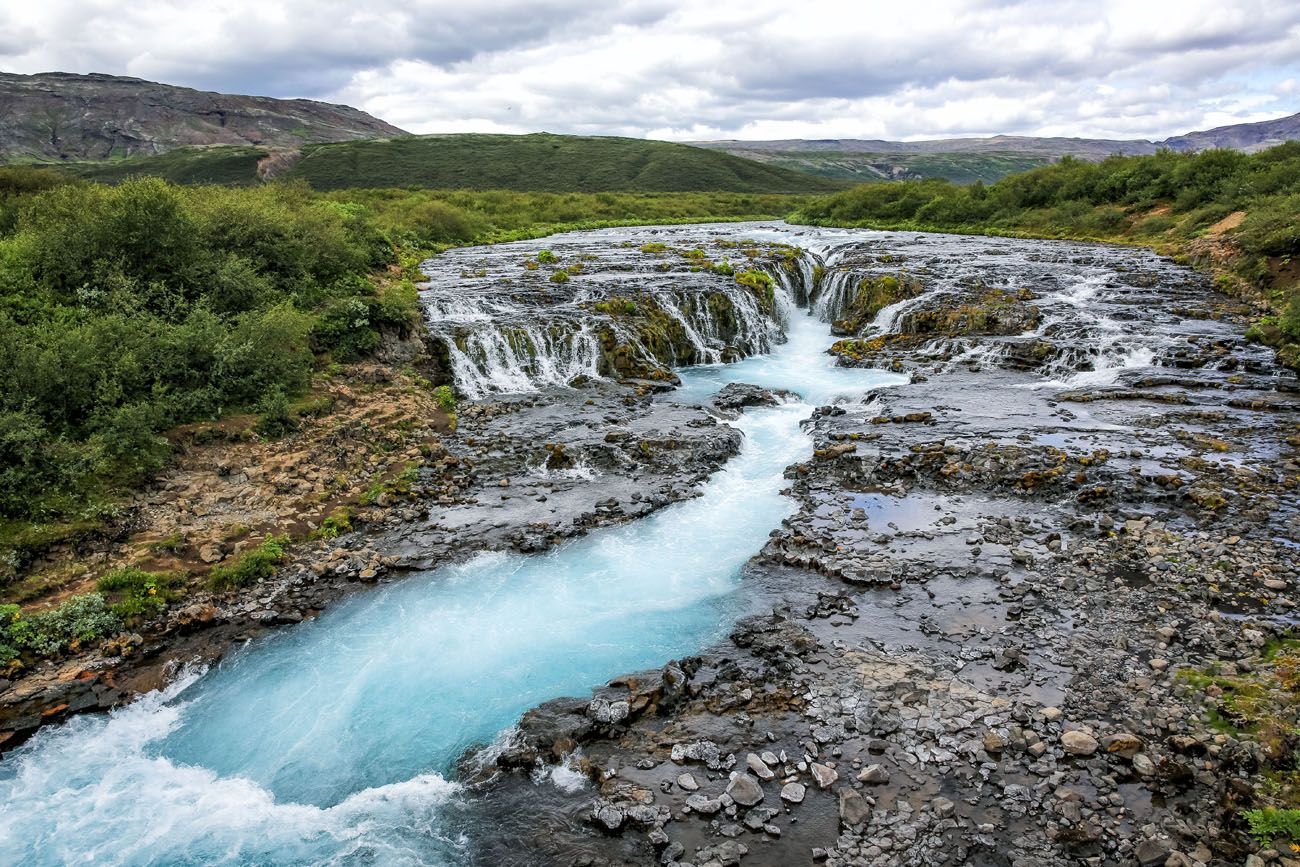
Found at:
(62, 116)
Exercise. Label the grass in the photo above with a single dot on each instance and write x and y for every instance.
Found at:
(136, 595)
(537, 162)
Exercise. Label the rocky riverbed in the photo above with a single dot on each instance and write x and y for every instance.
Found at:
(1035, 608)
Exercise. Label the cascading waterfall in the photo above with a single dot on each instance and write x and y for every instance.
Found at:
(505, 337)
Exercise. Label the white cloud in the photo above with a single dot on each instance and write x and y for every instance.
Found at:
(725, 69)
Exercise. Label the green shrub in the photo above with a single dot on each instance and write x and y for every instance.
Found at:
(138, 594)
(73, 623)
(1155, 225)
(724, 268)
(546, 257)
(257, 564)
(1270, 823)
(277, 419)
(398, 484)
(334, 525)
(560, 276)
(654, 247)
(445, 398)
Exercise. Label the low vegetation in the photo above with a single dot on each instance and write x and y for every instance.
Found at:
(254, 565)
(1167, 200)
(128, 310)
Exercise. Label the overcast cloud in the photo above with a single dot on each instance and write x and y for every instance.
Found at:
(713, 69)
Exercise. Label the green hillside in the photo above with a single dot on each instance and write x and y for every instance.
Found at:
(217, 164)
(538, 162)
(960, 168)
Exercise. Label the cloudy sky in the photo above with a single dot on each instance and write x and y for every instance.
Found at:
(706, 68)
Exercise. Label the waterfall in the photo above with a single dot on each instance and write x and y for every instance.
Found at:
(507, 332)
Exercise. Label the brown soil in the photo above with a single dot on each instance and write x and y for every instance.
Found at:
(227, 488)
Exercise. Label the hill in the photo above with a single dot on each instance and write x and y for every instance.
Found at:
(966, 160)
(536, 162)
(63, 116)
(542, 161)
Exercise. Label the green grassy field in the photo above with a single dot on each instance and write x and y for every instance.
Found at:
(539, 162)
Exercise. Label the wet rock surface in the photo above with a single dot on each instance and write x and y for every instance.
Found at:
(995, 630)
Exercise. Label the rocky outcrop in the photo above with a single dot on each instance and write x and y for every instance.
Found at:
(62, 116)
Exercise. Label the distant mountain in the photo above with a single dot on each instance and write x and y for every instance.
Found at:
(63, 116)
(966, 160)
(1249, 137)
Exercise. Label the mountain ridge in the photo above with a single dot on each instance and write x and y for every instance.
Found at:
(986, 158)
(59, 116)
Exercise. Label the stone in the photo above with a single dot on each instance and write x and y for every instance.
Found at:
(611, 817)
(1051, 714)
(1122, 744)
(745, 790)
(994, 742)
(759, 767)
(1151, 852)
(943, 807)
(687, 782)
(703, 804)
(1143, 765)
(854, 809)
(874, 774)
(793, 793)
(823, 775)
(1078, 743)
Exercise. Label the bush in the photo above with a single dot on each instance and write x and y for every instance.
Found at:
(546, 257)
(445, 398)
(75, 622)
(138, 594)
(277, 419)
(257, 564)
(334, 525)
(1270, 823)
(560, 276)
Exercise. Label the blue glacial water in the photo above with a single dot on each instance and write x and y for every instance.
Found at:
(333, 742)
